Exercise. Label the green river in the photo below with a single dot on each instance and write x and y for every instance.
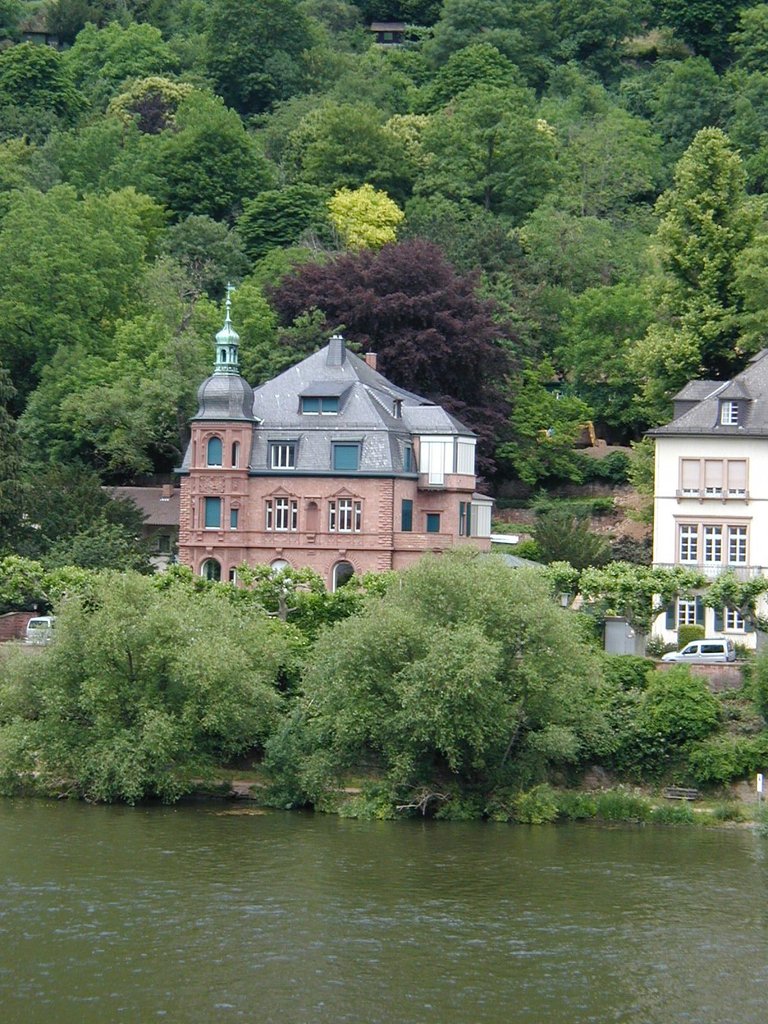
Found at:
(197, 914)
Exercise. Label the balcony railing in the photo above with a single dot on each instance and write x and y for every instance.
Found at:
(715, 569)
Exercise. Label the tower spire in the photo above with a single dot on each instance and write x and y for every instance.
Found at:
(227, 342)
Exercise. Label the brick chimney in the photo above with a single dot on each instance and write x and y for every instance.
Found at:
(167, 492)
(371, 360)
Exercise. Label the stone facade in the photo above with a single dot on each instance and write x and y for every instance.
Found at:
(328, 466)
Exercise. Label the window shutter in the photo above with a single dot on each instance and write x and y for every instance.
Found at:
(748, 625)
(713, 476)
(719, 616)
(737, 476)
(690, 475)
(699, 612)
(671, 615)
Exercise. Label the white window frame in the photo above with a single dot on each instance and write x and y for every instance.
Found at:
(733, 621)
(281, 515)
(688, 543)
(713, 543)
(282, 455)
(737, 545)
(712, 546)
(685, 614)
(729, 414)
(345, 515)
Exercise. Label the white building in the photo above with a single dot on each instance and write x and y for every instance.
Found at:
(711, 492)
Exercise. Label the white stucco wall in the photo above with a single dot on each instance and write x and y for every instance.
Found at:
(671, 509)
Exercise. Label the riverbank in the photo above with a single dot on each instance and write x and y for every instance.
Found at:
(733, 807)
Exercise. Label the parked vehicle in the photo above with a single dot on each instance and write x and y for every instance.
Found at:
(711, 650)
(40, 629)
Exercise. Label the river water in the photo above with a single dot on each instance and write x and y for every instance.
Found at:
(197, 914)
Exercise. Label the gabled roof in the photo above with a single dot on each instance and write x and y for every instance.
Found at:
(749, 387)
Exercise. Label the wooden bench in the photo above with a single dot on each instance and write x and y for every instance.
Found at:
(680, 793)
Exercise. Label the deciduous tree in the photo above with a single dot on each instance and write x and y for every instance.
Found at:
(364, 217)
(256, 51)
(432, 333)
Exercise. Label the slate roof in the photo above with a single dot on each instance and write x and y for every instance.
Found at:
(750, 388)
(373, 412)
(160, 505)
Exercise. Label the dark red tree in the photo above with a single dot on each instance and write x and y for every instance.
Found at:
(431, 332)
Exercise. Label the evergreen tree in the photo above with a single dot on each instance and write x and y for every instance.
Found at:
(707, 221)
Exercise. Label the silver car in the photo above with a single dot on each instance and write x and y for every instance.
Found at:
(704, 652)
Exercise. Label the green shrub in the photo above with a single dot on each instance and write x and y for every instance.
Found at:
(576, 806)
(529, 549)
(657, 645)
(673, 814)
(578, 508)
(727, 810)
(536, 806)
(461, 808)
(685, 634)
(613, 469)
(678, 706)
(761, 823)
(722, 759)
(627, 671)
(620, 805)
(759, 680)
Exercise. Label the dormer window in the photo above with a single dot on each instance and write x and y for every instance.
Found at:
(346, 457)
(283, 455)
(320, 406)
(729, 414)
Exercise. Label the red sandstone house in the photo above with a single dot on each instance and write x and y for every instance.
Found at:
(328, 465)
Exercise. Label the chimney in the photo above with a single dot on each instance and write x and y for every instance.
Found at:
(336, 351)
(167, 492)
(370, 358)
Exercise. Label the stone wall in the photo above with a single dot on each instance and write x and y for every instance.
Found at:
(719, 677)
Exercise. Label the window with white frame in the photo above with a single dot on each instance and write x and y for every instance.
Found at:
(345, 516)
(729, 413)
(737, 545)
(686, 612)
(734, 621)
(713, 543)
(689, 543)
(713, 478)
(282, 455)
(282, 514)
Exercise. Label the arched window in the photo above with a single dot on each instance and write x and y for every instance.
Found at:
(211, 570)
(214, 451)
(235, 454)
(279, 564)
(342, 573)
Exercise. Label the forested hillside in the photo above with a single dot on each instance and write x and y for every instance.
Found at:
(538, 213)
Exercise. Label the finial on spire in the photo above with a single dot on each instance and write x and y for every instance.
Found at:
(227, 360)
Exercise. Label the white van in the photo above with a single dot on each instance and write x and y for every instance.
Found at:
(40, 630)
(703, 652)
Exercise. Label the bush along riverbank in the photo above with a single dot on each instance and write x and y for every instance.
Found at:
(459, 689)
